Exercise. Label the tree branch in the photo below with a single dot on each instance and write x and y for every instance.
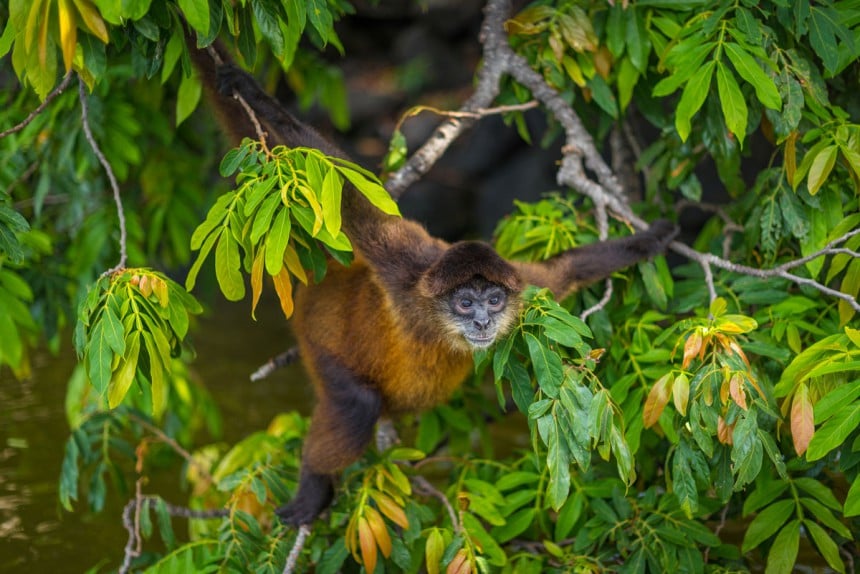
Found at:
(123, 237)
(32, 116)
(293, 558)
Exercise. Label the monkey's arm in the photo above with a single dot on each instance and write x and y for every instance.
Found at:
(581, 266)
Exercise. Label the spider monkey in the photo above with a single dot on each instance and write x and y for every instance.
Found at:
(394, 332)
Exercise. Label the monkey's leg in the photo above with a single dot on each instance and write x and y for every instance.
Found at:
(341, 428)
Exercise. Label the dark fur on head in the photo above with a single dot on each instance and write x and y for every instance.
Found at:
(464, 261)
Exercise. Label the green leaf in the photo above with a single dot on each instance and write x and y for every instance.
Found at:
(823, 28)
(558, 463)
(834, 432)
(266, 15)
(68, 489)
(99, 358)
(749, 70)
(569, 515)
(227, 265)
(783, 553)
(276, 242)
(121, 381)
(692, 98)
(826, 546)
(819, 491)
(263, 217)
(732, 102)
(852, 500)
(188, 97)
(514, 525)
(330, 199)
(320, 18)
(821, 167)
(825, 516)
(371, 189)
(197, 14)
(113, 332)
(546, 364)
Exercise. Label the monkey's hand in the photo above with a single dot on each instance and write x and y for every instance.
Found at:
(232, 79)
(663, 232)
(315, 494)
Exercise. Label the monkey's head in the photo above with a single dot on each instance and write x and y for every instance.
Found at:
(476, 293)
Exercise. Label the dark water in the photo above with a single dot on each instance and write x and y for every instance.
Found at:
(36, 534)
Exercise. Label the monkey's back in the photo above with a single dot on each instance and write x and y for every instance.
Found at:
(348, 320)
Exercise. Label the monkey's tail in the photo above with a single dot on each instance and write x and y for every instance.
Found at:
(288, 357)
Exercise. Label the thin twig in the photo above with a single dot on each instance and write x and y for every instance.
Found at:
(288, 357)
(178, 448)
(604, 301)
(423, 486)
(123, 250)
(717, 530)
(132, 523)
(32, 116)
(293, 558)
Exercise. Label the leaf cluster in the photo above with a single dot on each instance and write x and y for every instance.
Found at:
(284, 217)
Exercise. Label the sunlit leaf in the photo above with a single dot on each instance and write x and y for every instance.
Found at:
(802, 419)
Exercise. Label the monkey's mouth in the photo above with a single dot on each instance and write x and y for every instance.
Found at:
(480, 342)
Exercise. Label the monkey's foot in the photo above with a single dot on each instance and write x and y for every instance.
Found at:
(315, 494)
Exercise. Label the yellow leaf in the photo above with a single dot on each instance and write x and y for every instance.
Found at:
(284, 289)
(391, 510)
(434, 548)
(68, 32)
(380, 532)
(657, 399)
(92, 20)
(43, 38)
(257, 280)
(32, 24)
(802, 419)
(159, 287)
(368, 545)
(790, 161)
(121, 380)
(291, 260)
(681, 393)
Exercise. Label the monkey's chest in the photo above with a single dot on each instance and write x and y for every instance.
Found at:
(422, 380)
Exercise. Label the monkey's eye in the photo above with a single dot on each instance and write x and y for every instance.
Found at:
(494, 300)
(465, 303)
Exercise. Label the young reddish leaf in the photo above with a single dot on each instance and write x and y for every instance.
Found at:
(737, 391)
(380, 532)
(691, 348)
(368, 545)
(802, 419)
(724, 431)
(657, 399)
(460, 564)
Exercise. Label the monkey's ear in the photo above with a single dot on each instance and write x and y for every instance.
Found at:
(464, 261)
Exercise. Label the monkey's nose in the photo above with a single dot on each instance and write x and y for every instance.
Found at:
(482, 324)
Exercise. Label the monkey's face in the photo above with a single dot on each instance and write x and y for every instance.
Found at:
(481, 312)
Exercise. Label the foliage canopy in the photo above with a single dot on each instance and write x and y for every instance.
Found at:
(725, 388)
